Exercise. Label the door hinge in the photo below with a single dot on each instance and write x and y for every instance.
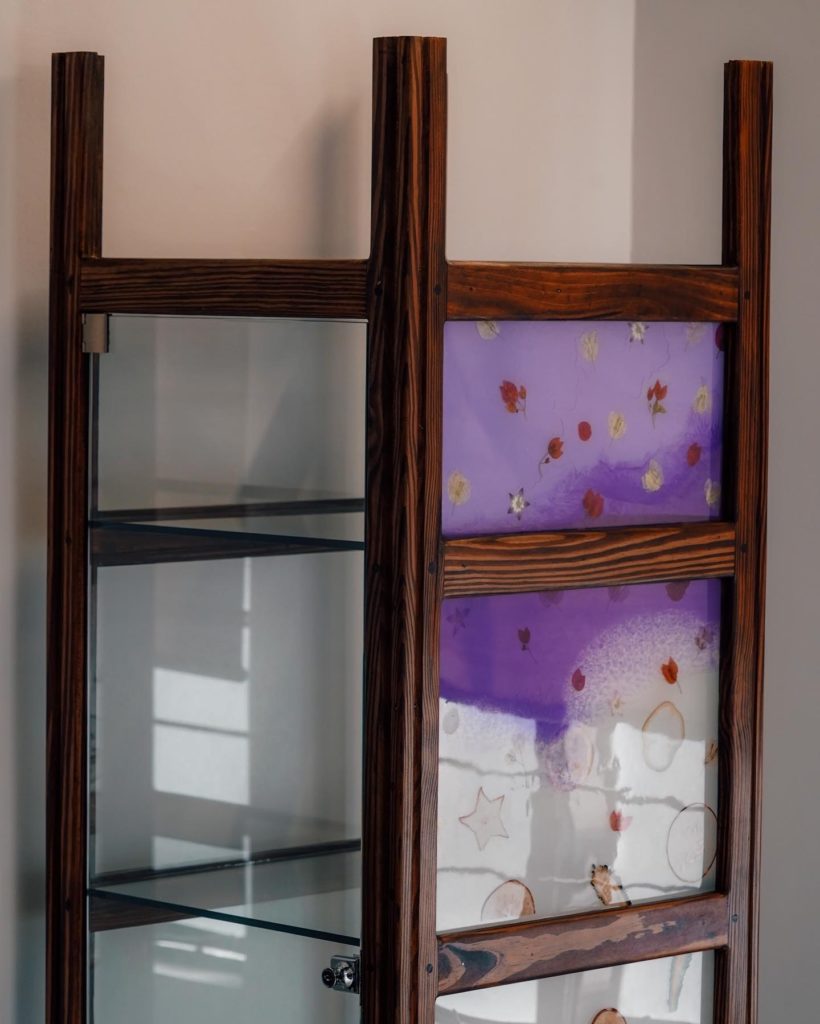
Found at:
(95, 333)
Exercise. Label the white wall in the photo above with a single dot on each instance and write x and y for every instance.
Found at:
(242, 129)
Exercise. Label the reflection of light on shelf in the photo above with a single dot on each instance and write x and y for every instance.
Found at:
(185, 947)
(230, 929)
(224, 954)
(199, 976)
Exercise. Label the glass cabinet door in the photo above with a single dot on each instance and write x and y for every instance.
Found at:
(225, 670)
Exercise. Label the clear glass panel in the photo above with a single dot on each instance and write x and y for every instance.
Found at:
(227, 709)
(675, 989)
(210, 972)
(578, 749)
(557, 425)
(195, 412)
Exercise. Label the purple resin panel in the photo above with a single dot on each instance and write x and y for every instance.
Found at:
(554, 425)
(578, 749)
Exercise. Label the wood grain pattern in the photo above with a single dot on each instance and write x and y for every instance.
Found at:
(746, 207)
(333, 289)
(403, 582)
(525, 950)
(123, 544)
(76, 217)
(522, 562)
(545, 291)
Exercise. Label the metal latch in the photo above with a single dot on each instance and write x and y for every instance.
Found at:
(95, 333)
(343, 974)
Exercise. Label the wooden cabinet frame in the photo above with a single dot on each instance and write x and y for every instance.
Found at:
(407, 290)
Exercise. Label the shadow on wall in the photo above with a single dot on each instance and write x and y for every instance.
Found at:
(30, 104)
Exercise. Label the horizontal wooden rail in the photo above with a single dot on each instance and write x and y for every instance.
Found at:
(545, 291)
(322, 289)
(526, 950)
(521, 562)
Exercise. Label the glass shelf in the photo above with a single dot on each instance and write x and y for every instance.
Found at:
(154, 538)
(313, 892)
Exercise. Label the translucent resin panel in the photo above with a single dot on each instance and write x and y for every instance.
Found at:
(578, 750)
(199, 411)
(211, 972)
(675, 989)
(554, 425)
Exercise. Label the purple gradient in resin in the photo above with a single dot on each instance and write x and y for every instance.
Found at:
(579, 379)
(486, 663)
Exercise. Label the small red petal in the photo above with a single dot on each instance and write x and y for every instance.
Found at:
(693, 454)
(619, 822)
(555, 448)
(584, 430)
(579, 680)
(670, 671)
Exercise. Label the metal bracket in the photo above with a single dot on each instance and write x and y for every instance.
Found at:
(342, 975)
(95, 333)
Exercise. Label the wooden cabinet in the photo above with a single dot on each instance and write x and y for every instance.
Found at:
(405, 616)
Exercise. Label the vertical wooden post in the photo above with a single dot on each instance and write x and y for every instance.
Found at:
(76, 217)
(746, 220)
(407, 303)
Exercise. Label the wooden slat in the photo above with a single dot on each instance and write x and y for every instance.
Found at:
(504, 953)
(545, 291)
(523, 562)
(747, 212)
(403, 581)
(332, 289)
(76, 219)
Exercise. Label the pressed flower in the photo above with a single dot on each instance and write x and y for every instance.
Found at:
(579, 680)
(695, 332)
(619, 822)
(513, 396)
(487, 329)
(703, 400)
(669, 671)
(589, 346)
(693, 454)
(524, 638)
(459, 488)
(655, 396)
(555, 448)
(617, 425)
(711, 491)
(517, 504)
(584, 430)
(637, 332)
(652, 480)
(676, 590)
(593, 504)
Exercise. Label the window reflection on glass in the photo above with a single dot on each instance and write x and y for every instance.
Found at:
(578, 750)
(674, 989)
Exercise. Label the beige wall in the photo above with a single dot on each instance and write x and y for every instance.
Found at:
(580, 130)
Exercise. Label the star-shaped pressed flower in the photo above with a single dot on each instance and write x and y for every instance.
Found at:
(485, 820)
(517, 504)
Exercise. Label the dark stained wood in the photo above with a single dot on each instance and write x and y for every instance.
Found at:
(76, 216)
(747, 211)
(504, 953)
(403, 581)
(522, 562)
(545, 291)
(124, 544)
(334, 289)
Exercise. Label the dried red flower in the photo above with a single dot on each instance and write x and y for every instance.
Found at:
(593, 504)
(669, 671)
